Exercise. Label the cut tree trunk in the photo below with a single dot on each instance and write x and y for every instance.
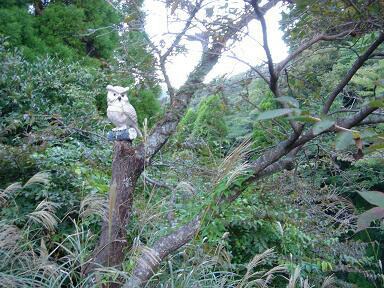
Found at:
(126, 169)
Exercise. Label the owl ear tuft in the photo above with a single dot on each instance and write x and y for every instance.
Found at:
(109, 87)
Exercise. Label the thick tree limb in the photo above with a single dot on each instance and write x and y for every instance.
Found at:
(347, 123)
(126, 168)
(150, 259)
(372, 121)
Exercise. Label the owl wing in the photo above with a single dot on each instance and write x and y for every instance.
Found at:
(130, 112)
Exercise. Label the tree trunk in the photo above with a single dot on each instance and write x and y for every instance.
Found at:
(126, 169)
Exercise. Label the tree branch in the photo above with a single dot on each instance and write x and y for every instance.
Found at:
(347, 123)
(150, 259)
(260, 16)
(176, 42)
(306, 45)
(274, 77)
(355, 67)
(253, 68)
(182, 33)
(371, 121)
(156, 183)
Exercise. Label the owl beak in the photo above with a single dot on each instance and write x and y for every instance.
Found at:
(119, 98)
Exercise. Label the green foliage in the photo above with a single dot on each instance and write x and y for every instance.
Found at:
(71, 30)
(369, 79)
(206, 124)
(18, 26)
(60, 35)
(209, 123)
(185, 126)
(373, 197)
(365, 219)
(40, 127)
(146, 103)
(306, 18)
(44, 94)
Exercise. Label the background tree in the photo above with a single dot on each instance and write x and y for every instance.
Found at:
(69, 29)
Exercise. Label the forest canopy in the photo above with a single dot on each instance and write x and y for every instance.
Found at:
(269, 178)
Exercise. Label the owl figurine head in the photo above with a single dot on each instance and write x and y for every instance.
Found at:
(117, 95)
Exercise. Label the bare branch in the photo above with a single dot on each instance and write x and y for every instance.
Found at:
(378, 55)
(353, 110)
(182, 33)
(176, 42)
(347, 123)
(260, 16)
(306, 45)
(253, 68)
(156, 183)
(273, 76)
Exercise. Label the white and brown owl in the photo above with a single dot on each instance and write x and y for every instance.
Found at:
(120, 112)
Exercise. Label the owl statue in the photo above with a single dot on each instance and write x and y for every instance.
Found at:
(120, 112)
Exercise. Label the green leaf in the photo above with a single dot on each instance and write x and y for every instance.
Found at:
(364, 220)
(375, 147)
(343, 140)
(304, 118)
(374, 197)
(289, 100)
(274, 113)
(322, 125)
(378, 103)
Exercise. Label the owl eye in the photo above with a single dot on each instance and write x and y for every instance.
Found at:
(114, 94)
